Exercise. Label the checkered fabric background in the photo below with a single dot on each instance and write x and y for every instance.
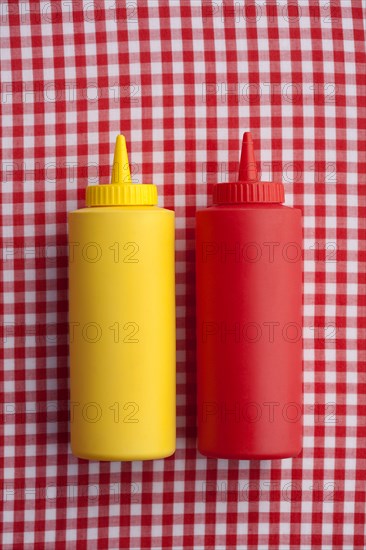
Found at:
(182, 80)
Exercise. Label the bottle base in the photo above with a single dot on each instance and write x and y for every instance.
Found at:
(251, 455)
(122, 457)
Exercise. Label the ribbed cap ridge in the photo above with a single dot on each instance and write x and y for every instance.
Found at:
(248, 188)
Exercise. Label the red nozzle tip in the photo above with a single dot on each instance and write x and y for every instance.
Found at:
(248, 167)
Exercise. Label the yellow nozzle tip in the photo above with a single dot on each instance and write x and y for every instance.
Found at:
(121, 168)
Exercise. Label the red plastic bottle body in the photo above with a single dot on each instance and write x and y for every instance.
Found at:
(249, 331)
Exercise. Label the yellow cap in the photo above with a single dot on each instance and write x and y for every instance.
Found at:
(121, 190)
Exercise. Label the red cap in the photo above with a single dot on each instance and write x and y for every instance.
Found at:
(248, 188)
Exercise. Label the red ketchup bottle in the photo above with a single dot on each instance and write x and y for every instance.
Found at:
(249, 319)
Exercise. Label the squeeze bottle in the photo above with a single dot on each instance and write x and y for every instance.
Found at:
(122, 321)
(249, 319)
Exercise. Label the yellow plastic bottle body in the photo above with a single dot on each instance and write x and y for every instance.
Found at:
(122, 333)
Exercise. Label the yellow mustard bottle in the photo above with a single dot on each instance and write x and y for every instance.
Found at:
(122, 321)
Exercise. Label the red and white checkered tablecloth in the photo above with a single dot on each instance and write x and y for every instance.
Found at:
(182, 80)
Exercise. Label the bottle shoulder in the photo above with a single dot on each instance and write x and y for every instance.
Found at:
(118, 210)
(248, 208)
